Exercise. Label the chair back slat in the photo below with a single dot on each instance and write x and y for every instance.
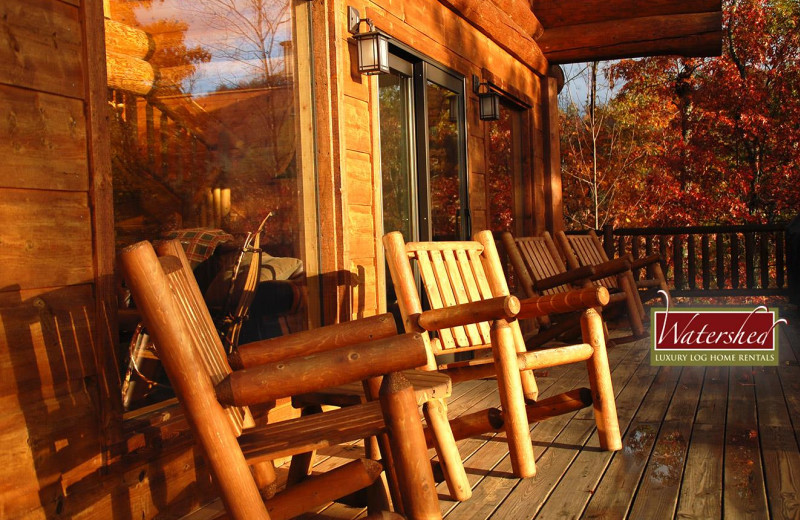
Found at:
(540, 262)
(195, 315)
(452, 273)
(472, 283)
(588, 253)
(458, 281)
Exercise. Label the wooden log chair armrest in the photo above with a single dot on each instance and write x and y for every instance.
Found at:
(271, 381)
(610, 268)
(313, 341)
(501, 307)
(560, 303)
(585, 272)
(645, 261)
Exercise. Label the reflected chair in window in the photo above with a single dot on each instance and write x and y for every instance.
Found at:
(540, 270)
(215, 400)
(586, 249)
(471, 311)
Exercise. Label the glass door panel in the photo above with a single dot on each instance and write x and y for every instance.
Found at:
(394, 94)
(444, 162)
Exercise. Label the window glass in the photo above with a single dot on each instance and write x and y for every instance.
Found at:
(215, 145)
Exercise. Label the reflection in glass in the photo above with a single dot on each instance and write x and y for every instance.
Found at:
(443, 146)
(398, 205)
(503, 165)
(213, 145)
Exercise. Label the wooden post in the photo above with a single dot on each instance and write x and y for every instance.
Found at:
(608, 240)
(635, 254)
(692, 261)
(749, 260)
(763, 257)
(512, 399)
(662, 250)
(435, 411)
(411, 464)
(720, 261)
(734, 260)
(705, 252)
(605, 409)
(677, 260)
(779, 265)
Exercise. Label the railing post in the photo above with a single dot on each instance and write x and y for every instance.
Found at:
(635, 254)
(734, 260)
(705, 252)
(779, 265)
(749, 260)
(720, 261)
(662, 250)
(763, 257)
(677, 260)
(608, 240)
(692, 262)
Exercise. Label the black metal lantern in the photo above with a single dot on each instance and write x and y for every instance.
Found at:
(373, 46)
(489, 105)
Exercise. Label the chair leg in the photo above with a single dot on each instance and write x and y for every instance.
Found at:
(509, 385)
(435, 412)
(410, 454)
(605, 408)
(264, 475)
(301, 464)
(637, 299)
(634, 317)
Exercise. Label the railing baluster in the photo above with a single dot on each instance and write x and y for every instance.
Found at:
(734, 260)
(608, 240)
(635, 254)
(720, 261)
(692, 262)
(621, 246)
(648, 245)
(662, 249)
(677, 260)
(705, 252)
(749, 260)
(150, 132)
(779, 237)
(763, 257)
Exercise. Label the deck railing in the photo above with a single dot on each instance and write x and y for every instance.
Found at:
(736, 260)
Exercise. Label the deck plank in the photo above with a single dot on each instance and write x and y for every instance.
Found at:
(701, 490)
(745, 495)
(658, 492)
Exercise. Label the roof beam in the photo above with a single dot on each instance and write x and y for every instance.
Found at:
(501, 28)
(691, 35)
(558, 13)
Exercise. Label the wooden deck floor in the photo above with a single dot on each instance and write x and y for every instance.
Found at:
(699, 442)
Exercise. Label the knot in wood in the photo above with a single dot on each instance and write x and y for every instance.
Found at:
(353, 356)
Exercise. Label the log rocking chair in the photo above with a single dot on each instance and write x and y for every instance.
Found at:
(215, 400)
(471, 310)
(540, 270)
(586, 249)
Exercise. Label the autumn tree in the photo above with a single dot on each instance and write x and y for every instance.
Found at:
(717, 137)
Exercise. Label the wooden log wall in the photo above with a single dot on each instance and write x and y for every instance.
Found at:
(449, 37)
(60, 406)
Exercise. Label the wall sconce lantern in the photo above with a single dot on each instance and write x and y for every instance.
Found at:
(489, 103)
(373, 46)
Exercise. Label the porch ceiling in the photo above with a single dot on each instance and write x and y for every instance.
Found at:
(585, 30)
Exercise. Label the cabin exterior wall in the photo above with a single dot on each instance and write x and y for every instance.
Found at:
(66, 450)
